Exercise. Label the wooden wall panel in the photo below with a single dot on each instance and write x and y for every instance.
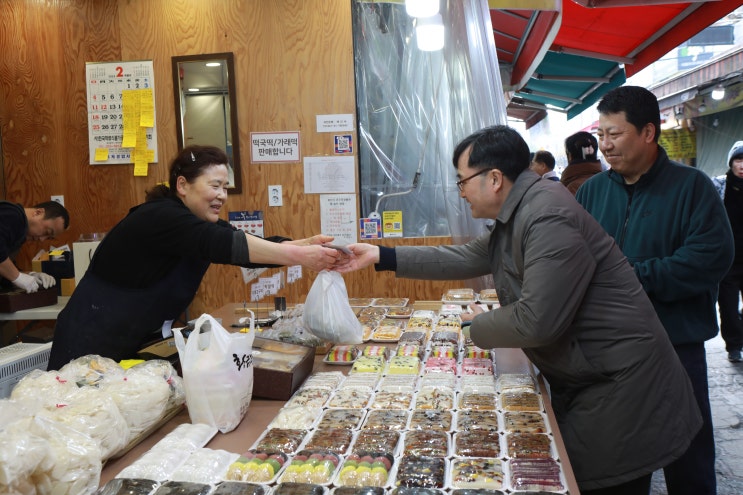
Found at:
(293, 61)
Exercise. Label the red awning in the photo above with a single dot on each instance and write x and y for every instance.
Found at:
(629, 32)
(636, 35)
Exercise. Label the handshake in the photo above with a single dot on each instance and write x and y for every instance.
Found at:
(31, 281)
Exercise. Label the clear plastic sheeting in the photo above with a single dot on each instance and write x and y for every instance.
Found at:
(414, 106)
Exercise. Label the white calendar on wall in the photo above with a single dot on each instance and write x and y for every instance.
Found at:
(121, 113)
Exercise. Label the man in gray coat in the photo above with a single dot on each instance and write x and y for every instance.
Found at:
(570, 300)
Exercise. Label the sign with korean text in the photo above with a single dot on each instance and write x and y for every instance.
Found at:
(273, 147)
(247, 221)
(679, 143)
(335, 122)
(121, 113)
(392, 223)
(338, 217)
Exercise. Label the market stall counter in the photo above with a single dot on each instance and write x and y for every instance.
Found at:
(263, 411)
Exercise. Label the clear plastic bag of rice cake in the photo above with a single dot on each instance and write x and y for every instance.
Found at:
(94, 413)
(73, 462)
(90, 370)
(40, 389)
(21, 452)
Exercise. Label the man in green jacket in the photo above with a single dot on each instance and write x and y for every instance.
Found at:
(670, 223)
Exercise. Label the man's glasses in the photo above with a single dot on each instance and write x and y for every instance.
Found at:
(461, 182)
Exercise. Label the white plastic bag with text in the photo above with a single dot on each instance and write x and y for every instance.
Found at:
(217, 370)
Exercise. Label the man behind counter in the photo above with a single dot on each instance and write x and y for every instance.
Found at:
(18, 225)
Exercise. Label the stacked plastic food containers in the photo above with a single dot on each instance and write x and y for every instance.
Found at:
(415, 410)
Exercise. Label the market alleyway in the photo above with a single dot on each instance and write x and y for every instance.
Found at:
(726, 397)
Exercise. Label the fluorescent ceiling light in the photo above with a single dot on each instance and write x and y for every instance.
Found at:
(429, 33)
(213, 64)
(194, 90)
(422, 8)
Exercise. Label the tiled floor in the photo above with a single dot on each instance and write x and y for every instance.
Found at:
(726, 398)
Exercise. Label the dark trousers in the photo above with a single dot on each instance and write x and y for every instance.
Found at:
(728, 299)
(640, 486)
(694, 472)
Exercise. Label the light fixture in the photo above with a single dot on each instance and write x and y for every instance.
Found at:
(213, 64)
(422, 8)
(193, 90)
(429, 33)
(702, 107)
(718, 93)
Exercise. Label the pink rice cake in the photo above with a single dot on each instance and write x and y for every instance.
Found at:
(440, 365)
(477, 366)
(536, 474)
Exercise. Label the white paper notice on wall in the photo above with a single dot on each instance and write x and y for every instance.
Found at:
(338, 217)
(329, 174)
(334, 123)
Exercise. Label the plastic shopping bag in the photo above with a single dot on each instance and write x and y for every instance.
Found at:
(217, 372)
(327, 313)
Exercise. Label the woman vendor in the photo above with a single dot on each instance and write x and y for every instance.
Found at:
(147, 269)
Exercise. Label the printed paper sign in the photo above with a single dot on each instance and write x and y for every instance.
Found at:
(247, 221)
(268, 147)
(392, 223)
(334, 123)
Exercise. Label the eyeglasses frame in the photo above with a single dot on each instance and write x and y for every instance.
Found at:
(460, 183)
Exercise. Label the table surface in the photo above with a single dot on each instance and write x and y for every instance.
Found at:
(40, 313)
(262, 411)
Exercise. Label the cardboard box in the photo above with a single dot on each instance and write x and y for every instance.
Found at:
(16, 300)
(280, 368)
(67, 286)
